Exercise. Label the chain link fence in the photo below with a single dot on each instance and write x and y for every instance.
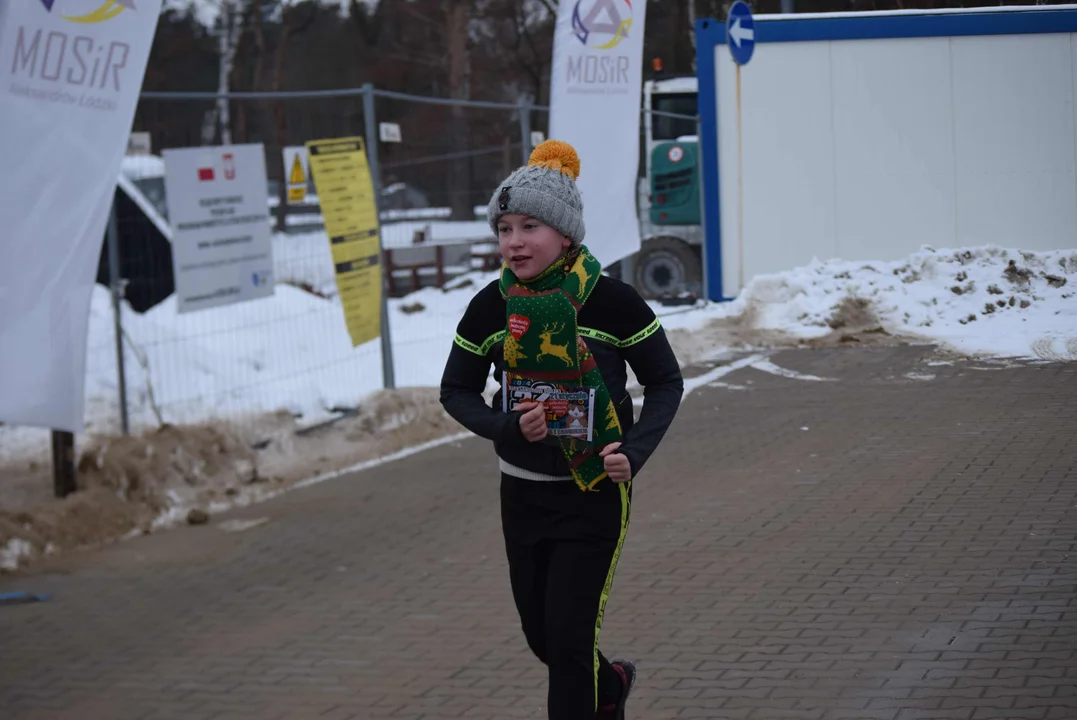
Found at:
(289, 357)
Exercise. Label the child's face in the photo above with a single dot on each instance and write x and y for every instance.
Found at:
(528, 245)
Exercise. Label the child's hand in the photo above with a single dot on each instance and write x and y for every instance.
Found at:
(533, 421)
(617, 465)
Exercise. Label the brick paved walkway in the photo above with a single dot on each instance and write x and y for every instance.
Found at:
(878, 546)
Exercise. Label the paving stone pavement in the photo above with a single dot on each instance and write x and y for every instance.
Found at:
(894, 542)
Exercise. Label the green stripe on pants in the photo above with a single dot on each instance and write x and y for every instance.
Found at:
(625, 514)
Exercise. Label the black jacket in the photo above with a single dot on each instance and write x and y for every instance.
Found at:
(618, 327)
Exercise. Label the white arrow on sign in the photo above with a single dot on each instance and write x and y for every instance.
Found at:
(740, 34)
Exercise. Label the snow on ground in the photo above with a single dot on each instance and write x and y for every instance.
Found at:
(291, 353)
(305, 258)
(985, 301)
(287, 352)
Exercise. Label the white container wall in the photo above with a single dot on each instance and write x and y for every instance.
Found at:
(867, 149)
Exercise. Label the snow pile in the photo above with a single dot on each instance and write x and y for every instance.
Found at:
(125, 483)
(985, 301)
(13, 553)
(289, 352)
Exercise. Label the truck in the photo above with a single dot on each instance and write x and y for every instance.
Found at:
(669, 263)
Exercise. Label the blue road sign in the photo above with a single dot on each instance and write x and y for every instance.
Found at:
(740, 32)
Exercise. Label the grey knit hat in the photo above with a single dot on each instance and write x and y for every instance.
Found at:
(544, 189)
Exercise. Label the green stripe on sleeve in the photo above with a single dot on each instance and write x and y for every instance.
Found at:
(584, 331)
(480, 350)
(493, 340)
(617, 342)
(642, 334)
(469, 346)
(598, 335)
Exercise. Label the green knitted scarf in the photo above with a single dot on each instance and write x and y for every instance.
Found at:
(542, 343)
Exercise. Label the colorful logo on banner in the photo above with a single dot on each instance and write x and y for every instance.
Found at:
(604, 20)
(102, 13)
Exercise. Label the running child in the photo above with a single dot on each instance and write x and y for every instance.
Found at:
(553, 327)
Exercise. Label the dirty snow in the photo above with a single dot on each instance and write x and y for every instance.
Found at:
(970, 301)
(286, 362)
(13, 552)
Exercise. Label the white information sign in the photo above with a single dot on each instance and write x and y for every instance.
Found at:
(390, 132)
(222, 252)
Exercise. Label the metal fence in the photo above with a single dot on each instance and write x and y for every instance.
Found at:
(289, 357)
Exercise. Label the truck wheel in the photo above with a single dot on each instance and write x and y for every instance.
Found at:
(668, 267)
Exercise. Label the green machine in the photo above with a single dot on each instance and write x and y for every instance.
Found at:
(675, 182)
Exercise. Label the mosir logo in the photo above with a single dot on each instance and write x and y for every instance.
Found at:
(600, 25)
(603, 20)
(94, 13)
(77, 67)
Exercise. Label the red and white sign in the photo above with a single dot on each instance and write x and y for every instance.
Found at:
(207, 171)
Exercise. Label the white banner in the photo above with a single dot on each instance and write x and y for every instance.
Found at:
(595, 88)
(70, 75)
(222, 249)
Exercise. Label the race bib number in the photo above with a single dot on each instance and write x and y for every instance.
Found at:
(569, 409)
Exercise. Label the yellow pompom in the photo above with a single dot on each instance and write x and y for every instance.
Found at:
(556, 155)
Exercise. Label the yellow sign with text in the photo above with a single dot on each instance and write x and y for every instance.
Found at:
(341, 175)
(297, 181)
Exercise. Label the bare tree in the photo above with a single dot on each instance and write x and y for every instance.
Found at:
(230, 27)
(296, 18)
(368, 19)
(459, 16)
(692, 30)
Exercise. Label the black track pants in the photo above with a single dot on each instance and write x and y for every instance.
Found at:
(562, 546)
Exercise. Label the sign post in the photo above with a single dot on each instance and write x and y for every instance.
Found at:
(64, 479)
(740, 33)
